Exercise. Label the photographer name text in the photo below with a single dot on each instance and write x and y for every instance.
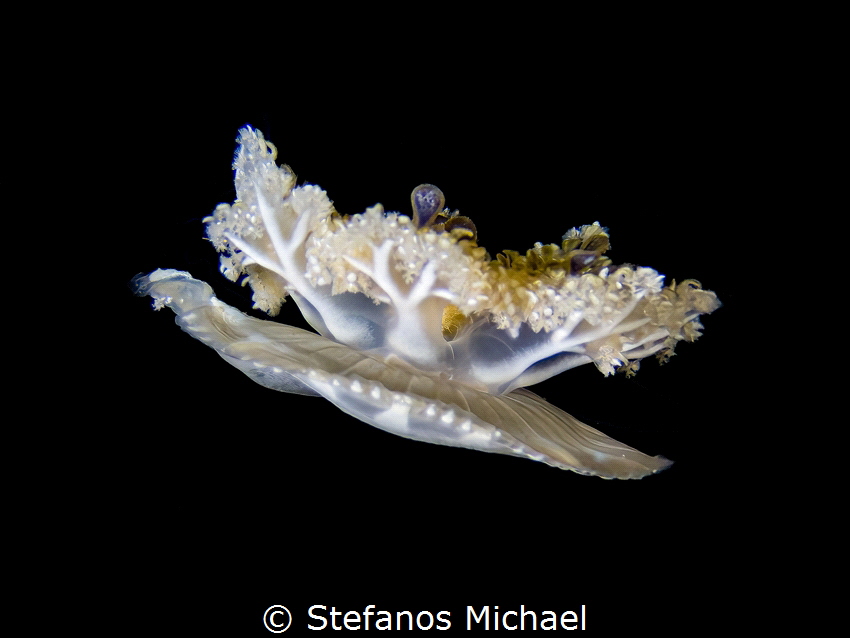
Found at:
(488, 618)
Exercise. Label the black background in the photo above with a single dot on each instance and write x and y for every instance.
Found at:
(230, 497)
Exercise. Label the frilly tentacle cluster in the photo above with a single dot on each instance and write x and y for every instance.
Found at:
(418, 294)
(445, 303)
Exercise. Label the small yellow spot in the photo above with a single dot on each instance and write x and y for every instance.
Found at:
(453, 319)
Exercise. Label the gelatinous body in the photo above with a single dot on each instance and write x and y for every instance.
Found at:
(420, 333)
